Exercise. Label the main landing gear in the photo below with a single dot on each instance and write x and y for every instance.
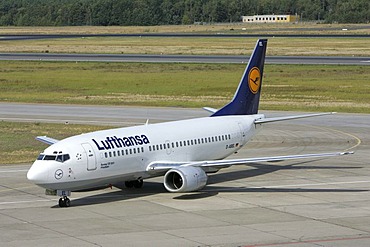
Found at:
(134, 183)
(64, 202)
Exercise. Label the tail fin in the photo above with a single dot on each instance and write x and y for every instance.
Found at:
(247, 96)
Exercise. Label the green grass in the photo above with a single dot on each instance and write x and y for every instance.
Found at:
(285, 87)
(343, 46)
(18, 144)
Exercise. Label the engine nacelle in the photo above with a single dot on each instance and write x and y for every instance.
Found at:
(185, 179)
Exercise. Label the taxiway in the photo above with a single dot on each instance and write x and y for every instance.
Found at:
(322, 202)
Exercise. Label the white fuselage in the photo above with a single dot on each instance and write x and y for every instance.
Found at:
(106, 157)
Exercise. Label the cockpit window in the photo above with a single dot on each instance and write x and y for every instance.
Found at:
(59, 158)
(50, 157)
(62, 158)
(41, 157)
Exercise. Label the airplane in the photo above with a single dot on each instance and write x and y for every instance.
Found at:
(183, 152)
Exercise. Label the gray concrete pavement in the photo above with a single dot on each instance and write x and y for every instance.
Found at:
(182, 58)
(321, 202)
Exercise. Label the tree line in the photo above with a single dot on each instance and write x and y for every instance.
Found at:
(173, 12)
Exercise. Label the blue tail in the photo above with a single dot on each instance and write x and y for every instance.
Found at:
(247, 96)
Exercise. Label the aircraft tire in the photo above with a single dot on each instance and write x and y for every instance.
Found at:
(61, 202)
(138, 183)
(129, 184)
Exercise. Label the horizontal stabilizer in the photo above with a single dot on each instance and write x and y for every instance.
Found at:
(276, 119)
(210, 109)
(47, 140)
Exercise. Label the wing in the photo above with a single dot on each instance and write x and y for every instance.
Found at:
(161, 167)
(47, 140)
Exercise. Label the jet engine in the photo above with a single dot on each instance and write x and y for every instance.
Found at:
(185, 179)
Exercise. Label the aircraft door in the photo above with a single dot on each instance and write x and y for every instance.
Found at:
(90, 155)
(242, 133)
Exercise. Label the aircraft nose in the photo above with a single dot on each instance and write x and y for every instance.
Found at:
(37, 174)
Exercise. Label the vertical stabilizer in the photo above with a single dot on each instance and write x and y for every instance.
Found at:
(247, 96)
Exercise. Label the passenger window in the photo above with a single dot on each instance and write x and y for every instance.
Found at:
(173, 145)
(150, 148)
(168, 145)
(106, 155)
(114, 153)
(123, 153)
(126, 152)
(134, 150)
(110, 154)
(130, 151)
(142, 149)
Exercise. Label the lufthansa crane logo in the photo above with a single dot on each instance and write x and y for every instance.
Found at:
(254, 80)
(58, 174)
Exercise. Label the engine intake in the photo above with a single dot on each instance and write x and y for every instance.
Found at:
(185, 179)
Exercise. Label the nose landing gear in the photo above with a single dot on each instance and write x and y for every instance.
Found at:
(64, 202)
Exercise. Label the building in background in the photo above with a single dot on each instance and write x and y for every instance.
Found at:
(270, 18)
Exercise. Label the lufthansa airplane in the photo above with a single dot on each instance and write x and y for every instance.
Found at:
(181, 151)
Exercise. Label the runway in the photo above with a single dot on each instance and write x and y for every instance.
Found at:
(181, 58)
(322, 202)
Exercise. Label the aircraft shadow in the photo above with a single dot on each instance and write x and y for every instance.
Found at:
(263, 169)
(149, 188)
(152, 188)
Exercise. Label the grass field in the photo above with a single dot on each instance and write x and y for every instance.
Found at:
(238, 28)
(201, 45)
(18, 144)
(285, 87)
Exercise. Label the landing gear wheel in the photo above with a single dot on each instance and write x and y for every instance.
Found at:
(67, 202)
(129, 184)
(138, 183)
(61, 202)
(64, 202)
